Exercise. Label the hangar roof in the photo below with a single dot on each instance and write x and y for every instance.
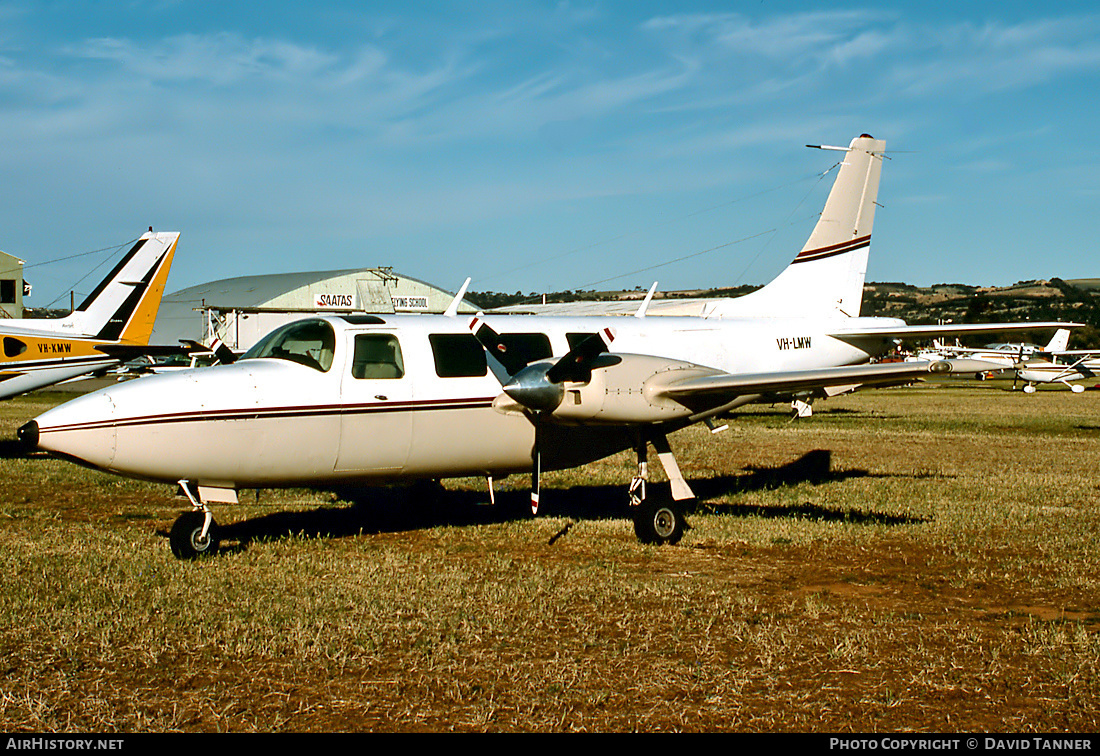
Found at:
(359, 289)
(254, 291)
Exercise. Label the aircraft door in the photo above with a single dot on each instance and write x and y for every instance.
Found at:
(375, 406)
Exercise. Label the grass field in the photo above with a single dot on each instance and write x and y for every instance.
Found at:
(919, 559)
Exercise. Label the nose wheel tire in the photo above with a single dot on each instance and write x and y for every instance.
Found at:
(186, 538)
(659, 522)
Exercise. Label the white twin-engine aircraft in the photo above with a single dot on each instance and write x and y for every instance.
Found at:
(111, 325)
(405, 397)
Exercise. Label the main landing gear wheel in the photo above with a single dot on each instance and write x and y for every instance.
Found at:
(659, 522)
(186, 538)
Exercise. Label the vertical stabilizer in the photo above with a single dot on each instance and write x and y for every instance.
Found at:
(1059, 342)
(124, 305)
(826, 278)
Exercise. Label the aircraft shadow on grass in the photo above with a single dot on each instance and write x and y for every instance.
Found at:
(389, 509)
(13, 449)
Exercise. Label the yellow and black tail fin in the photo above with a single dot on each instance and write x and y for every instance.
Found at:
(123, 307)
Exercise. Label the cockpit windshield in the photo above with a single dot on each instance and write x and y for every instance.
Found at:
(307, 342)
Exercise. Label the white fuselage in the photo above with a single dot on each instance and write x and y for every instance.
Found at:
(270, 422)
(1053, 371)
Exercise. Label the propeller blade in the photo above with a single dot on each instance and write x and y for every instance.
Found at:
(536, 474)
(577, 364)
(539, 386)
(503, 363)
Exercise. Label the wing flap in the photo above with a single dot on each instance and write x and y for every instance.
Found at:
(950, 329)
(728, 385)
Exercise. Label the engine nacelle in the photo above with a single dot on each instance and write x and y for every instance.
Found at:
(627, 391)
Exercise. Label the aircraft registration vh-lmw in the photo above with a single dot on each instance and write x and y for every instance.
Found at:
(408, 397)
(111, 325)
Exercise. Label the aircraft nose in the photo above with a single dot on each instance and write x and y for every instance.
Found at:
(28, 435)
(82, 428)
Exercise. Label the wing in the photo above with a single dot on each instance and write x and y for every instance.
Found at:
(717, 392)
(950, 329)
(639, 389)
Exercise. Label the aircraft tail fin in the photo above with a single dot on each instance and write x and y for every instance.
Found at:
(826, 277)
(1059, 342)
(123, 307)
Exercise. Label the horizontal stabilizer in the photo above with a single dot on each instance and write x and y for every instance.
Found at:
(951, 329)
(221, 351)
(126, 352)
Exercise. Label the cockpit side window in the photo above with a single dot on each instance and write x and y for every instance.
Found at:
(13, 347)
(307, 342)
(377, 355)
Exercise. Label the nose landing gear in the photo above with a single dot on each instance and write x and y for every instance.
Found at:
(194, 533)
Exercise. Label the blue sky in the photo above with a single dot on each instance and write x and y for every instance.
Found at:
(540, 146)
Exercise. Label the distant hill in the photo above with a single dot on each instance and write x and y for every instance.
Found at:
(1077, 301)
(1090, 284)
(960, 303)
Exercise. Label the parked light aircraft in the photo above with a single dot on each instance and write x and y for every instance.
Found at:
(111, 325)
(1007, 354)
(1033, 364)
(406, 397)
(1051, 369)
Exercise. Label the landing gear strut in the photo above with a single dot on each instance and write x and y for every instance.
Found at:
(193, 533)
(657, 520)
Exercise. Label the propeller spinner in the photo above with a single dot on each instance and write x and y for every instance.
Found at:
(540, 386)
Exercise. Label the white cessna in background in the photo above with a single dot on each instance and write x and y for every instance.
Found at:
(1059, 367)
(1033, 364)
(1006, 354)
(406, 397)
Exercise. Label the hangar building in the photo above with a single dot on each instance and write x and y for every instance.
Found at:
(242, 310)
(12, 286)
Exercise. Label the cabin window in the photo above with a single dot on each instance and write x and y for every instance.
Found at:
(307, 342)
(7, 291)
(377, 355)
(577, 338)
(457, 355)
(363, 319)
(527, 346)
(13, 347)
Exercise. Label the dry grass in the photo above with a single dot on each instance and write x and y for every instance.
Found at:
(907, 559)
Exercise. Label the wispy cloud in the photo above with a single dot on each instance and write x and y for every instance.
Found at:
(967, 58)
(821, 37)
(344, 119)
(912, 58)
(220, 59)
